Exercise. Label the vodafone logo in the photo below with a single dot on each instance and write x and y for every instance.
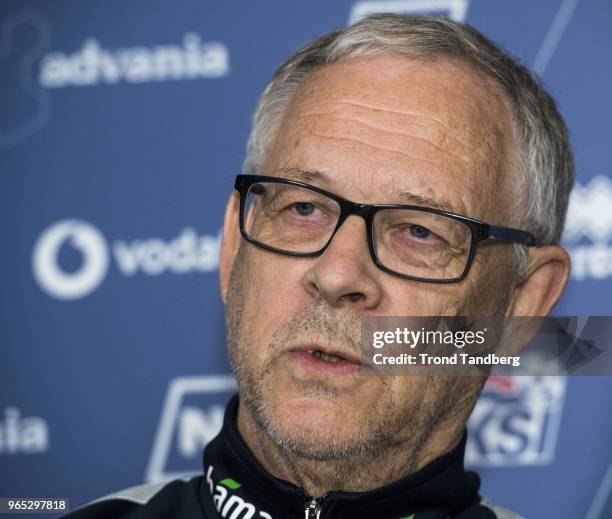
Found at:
(84, 238)
(186, 253)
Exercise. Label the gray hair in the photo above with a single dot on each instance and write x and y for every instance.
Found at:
(546, 170)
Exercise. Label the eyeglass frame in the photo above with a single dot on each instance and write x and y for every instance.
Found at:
(480, 231)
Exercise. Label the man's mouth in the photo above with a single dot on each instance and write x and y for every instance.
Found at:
(324, 356)
(320, 360)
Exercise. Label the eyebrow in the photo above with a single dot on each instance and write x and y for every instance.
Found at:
(305, 175)
(427, 201)
(407, 197)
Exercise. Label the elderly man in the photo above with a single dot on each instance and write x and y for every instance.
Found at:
(403, 166)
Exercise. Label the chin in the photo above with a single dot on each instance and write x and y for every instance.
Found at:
(314, 440)
(314, 427)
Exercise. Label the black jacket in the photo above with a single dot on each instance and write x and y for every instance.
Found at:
(234, 486)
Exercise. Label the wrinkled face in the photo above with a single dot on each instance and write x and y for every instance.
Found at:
(382, 129)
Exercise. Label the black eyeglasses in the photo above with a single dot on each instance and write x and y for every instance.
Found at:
(412, 242)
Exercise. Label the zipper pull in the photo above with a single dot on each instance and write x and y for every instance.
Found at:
(312, 510)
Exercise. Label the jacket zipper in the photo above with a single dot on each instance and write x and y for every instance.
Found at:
(312, 510)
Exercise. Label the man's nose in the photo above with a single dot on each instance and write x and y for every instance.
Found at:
(345, 273)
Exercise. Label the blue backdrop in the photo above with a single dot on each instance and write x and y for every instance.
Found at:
(122, 125)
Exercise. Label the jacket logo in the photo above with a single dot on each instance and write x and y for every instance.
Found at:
(229, 504)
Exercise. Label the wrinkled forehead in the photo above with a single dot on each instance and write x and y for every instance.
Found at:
(382, 125)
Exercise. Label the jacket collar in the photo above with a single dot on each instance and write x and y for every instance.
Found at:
(440, 489)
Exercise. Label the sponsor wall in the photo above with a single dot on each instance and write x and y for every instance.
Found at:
(121, 128)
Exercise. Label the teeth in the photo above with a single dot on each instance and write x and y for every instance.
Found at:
(326, 357)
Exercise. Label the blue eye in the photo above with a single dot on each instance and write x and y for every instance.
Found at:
(419, 232)
(304, 208)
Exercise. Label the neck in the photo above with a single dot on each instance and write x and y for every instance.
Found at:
(356, 474)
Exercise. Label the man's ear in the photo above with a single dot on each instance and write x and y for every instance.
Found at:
(547, 274)
(230, 242)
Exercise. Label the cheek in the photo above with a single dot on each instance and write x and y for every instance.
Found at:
(273, 292)
(410, 298)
